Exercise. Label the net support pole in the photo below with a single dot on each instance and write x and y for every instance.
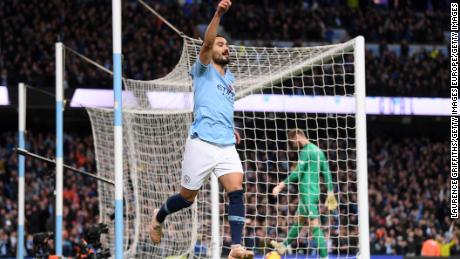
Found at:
(118, 132)
(361, 148)
(59, 146)
(21, 187)
(215, 239)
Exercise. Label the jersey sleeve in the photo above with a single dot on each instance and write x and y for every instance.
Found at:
(294, 175)
(198, 69)
(324, 166)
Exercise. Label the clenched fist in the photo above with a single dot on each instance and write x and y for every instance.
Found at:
(223, 7)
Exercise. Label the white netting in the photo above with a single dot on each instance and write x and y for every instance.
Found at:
(154, 142)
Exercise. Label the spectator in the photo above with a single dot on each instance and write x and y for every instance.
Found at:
(151, 49)
(80, 206)
(402, 216)
(447, 245)
(431, 248)
(390, 75)
(5, 246)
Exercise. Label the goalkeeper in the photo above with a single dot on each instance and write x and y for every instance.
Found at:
(311, 161)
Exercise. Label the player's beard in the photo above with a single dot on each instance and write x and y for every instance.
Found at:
(220, 59)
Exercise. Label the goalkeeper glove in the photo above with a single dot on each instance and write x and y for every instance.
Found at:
(331, 202)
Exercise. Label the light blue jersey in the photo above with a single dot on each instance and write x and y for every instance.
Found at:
(213, 109)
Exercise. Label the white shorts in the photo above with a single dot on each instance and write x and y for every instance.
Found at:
(201, 158)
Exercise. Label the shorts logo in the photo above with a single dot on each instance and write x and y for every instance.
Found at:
(187, 179)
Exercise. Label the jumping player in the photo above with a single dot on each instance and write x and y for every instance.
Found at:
(211, 143)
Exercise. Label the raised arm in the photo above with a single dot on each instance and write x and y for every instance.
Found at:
(211, 32)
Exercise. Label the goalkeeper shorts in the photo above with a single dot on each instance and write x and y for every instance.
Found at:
(201, 158)
(308, 206)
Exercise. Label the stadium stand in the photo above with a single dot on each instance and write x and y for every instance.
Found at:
(151, 49)
(407, 187)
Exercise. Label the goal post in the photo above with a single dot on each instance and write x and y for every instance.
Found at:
(277, 89)
(361, 150)
(22, 95)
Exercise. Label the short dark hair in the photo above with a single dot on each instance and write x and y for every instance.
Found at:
(220, 35)
(217, 35)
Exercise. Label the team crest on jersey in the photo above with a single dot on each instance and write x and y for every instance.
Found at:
(227, 91)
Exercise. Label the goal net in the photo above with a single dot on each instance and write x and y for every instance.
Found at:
(277, 89)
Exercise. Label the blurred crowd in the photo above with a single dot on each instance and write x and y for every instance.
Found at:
(390, 21)
(408, 196)
(422, 74)
(29, 30)
(81, 208)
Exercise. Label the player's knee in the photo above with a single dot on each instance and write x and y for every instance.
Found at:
(232, 182)
(234, 188)
(190, 199)
(189, 195)
(236, 196)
